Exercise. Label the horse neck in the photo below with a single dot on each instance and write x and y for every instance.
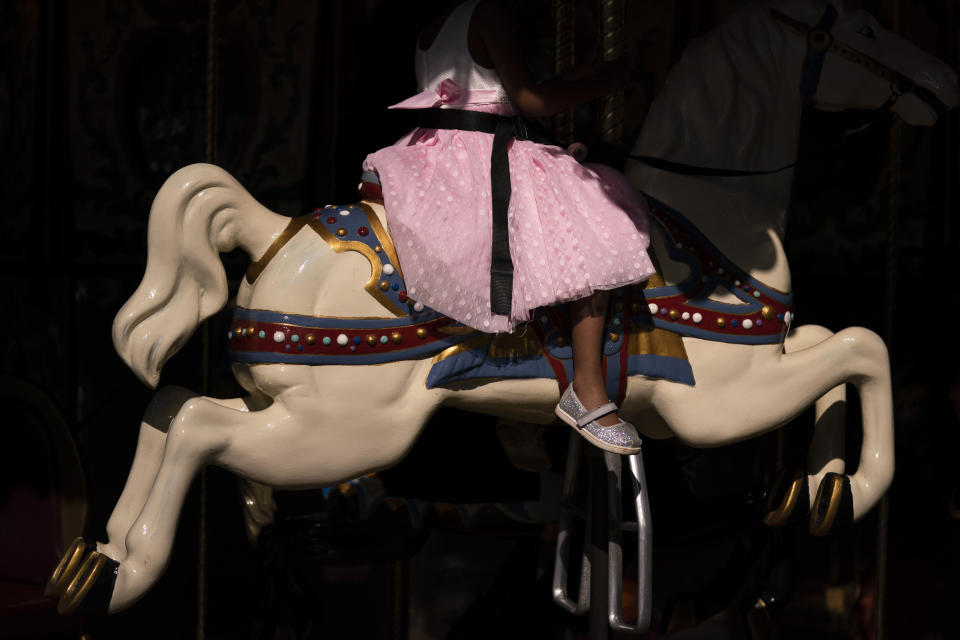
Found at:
(730, 103)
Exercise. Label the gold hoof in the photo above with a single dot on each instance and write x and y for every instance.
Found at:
(82, 583)
(67, 568)
(833, 506)
(791, 486)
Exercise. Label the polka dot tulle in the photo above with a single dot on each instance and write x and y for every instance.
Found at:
(574, 229)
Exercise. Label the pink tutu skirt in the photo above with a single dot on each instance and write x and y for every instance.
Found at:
(574, 229)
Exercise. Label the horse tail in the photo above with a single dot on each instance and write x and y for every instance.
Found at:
(197, 213)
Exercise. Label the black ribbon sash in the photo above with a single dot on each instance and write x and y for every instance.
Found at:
(503, 129)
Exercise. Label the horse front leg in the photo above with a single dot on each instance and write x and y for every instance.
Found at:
(795, 489)
(770, 389)
(179, 434)
(310, 436)
(143, 471)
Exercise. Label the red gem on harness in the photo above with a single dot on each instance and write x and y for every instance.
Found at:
(331, 220)
(363, 231)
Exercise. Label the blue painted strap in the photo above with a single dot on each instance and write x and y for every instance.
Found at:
(819, 40)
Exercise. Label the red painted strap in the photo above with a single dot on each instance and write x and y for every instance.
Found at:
(371, 191)
(624, 353)
(295, 339)
(555, 363)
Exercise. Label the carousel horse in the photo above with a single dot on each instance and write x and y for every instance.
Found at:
(343, 370)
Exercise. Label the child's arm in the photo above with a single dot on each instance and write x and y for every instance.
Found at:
(537, 99)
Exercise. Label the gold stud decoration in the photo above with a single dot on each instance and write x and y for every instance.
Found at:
(341, 232)
(766, 312)
(310, 339)
(397, 337)
(674, 314)
(371, 340)
(721, 323)
(421, 333)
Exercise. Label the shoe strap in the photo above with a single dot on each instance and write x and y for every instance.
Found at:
(593, 414)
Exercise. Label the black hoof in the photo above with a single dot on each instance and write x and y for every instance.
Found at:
(833, 506)
(89, 592)
(68, 566)
(789, 498)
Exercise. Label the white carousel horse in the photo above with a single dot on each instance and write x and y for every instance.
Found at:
(731, 102)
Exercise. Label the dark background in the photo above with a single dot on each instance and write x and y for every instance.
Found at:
(101, 100)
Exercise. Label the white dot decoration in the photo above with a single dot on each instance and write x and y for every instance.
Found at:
(748, 324)
(418, 306)
(756, 294)
(279, 336)
(697, 318)
(342, 340)
(787, 317)
(685, 315)
(653, 307)
(344, 212)
(736, 283)
(388, 269)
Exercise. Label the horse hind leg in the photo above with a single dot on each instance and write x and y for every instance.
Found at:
(794, 491)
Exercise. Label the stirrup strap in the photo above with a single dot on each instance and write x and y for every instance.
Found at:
(592, 415)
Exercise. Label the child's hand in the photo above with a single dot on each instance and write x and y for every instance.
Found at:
(578, 150)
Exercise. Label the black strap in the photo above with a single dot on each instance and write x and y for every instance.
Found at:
(694, 170)
(503, 129)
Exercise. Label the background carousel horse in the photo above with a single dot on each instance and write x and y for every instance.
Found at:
(732, 102)
(838, 60)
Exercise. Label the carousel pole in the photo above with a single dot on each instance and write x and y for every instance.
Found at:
(611, 131)
(210, 155)
(611, 115)
(893, 185)
(564, 58)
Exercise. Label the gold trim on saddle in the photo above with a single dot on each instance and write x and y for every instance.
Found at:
(363, 234)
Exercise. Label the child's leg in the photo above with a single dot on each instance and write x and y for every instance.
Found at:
(588, 319)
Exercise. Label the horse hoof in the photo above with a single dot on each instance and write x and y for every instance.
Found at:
(90, 589)
(833, 506)
(788, 491)
(67, 568)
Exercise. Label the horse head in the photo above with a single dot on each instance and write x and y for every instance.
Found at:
(847, 60)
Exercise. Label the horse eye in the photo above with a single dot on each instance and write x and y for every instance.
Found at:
(867, 32)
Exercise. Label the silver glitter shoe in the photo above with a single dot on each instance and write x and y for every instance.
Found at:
(619, 438)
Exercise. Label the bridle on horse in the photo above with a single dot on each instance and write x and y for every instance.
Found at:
(820, 41)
